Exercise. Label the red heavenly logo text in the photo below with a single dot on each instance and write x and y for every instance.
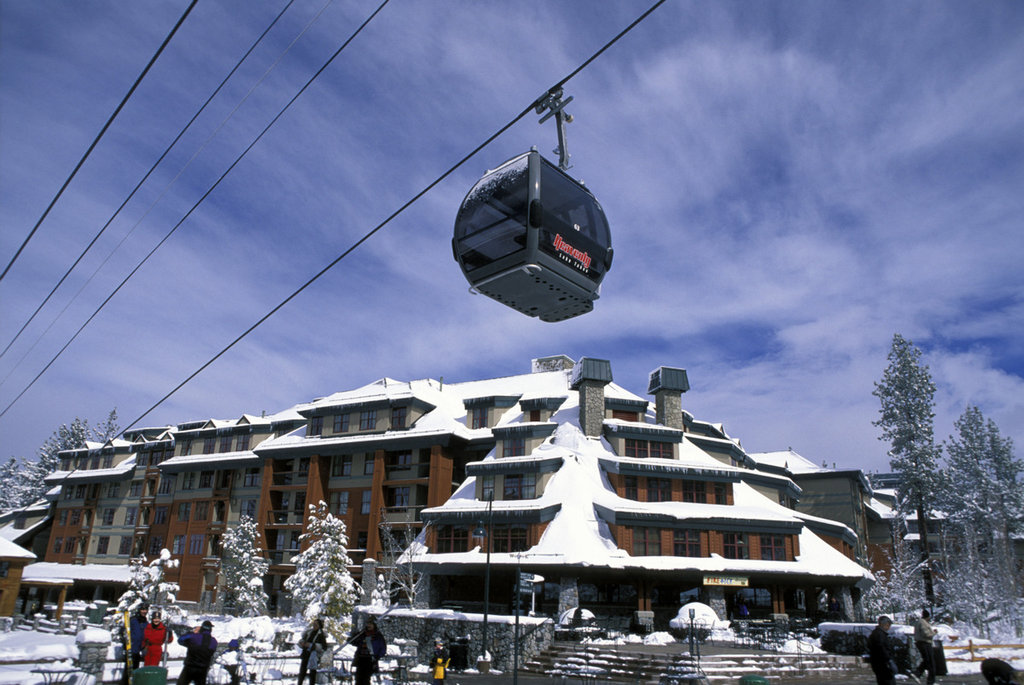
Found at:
(565, 248)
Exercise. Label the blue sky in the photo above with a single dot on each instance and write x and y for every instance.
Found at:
(788, 185)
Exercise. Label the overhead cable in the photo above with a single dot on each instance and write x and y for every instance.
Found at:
(196, 205)
(96, 140)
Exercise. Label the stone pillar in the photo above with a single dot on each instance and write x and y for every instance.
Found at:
(668, 384)
(716, 600)
(92, 651)
(369, 581)
(589, 377)
(568, 595)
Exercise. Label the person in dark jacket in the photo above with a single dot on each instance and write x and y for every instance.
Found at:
(880, 652)
(998, 672)
(200, 647)
(370, 647)
(137, 635)
(312, 644)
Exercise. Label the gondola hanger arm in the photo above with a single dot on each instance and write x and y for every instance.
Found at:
(554, 105)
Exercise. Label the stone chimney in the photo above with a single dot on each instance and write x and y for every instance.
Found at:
(668, 384)
(589, 376)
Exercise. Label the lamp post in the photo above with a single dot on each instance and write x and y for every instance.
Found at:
(480, 532)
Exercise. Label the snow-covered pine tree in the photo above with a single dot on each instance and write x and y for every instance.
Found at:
(11, 492)
(897, 590)
(907, 396)
(322, 586)
(147, 583)
(984, 507)
(243, 567)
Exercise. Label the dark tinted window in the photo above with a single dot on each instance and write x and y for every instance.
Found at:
(575, 228)
(492, 220)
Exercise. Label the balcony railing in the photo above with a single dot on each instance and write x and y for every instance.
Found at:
(406, 514)
(284, 517)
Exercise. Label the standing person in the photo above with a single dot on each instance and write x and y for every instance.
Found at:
(313, 643)
(370, 647)
(880, 652)
(154, 639)
(135, 635)
(200, 647)
(440, 662)
(923, 636)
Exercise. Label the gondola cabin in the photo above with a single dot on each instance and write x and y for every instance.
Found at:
(534, 239)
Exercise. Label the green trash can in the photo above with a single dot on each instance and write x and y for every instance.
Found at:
(753, 680)
(149, 675)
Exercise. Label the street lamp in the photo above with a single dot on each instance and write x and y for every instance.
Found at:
(485, 535)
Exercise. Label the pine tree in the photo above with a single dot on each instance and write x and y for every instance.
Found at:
(244, 566)
(322, 586)
(147, 583)
(984, 506)
(907, 396)
(896, 589)
(109, 429)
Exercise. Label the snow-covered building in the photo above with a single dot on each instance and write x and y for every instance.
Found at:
(625, 506)
(621, 504)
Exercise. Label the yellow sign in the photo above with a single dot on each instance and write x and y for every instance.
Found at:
(727, 581)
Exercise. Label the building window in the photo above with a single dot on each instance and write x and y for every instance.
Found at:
(721, 494)
(695, 491)
(659, 490)
(520, 486)
(166, 486)
(368, 419)
(368, 465)
(367, 498)
(125, 547)
(68, 493)
(206, 479)
(131, 515)
(94, 463)
(178, 546)
(65, 463)
(478, 417)
(69, 545)
(341, 423)
(108, 461)
(659, 450)
(160, 515)
(188, 480)
(341, 465)
(646, 542)
(62, 518)
(316, 425)
(202, 510)
(773, 548)
(686, 543)
(636, 449)
(208, 445)
(225, 444)
(630, 490)
(143, 459)
(248, 508)
(242, 443)
(451, 539)
(400, 460)
(339, 503)
(734, 546)
(398, 417)
(513, 447)
(76, 516)
(361, 539)
(487, 488)
(56, 545)
(108, 516)
(113, 490)
(400, 496)
(622, 415)
(102, 544)
(304, 467)
(251, 478)
(186, 448)
(535, 415)
(508, 539)
(156, 544)
(135, 489)
(195, 544)
(184, 511)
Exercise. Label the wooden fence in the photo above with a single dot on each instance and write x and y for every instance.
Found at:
(973, 651)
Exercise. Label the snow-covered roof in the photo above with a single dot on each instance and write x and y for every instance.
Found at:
(52, 572)
(117, 472)
(788, 460)
(9, 550)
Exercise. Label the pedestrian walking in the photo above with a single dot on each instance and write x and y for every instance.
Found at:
(134, 636)
(200, 646)
(370, 647)
(440, 662)
(880, 652)
(924, 634)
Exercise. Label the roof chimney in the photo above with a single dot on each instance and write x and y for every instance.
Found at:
(589, 376)
(668, 384)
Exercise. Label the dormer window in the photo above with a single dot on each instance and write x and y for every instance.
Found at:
(367, 419)
(341, 423)
(513, 447)
(478, 417)
(225, 444)
(316, 425)
(398, 417)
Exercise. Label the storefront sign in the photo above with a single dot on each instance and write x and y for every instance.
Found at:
(727, 581)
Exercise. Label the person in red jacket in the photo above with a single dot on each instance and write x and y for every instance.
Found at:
(154, 639)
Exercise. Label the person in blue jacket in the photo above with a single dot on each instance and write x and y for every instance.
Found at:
(136, 633)
(200, 646)
(370, 647)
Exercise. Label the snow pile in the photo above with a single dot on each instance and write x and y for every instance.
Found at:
(25, 645)
(703, 616)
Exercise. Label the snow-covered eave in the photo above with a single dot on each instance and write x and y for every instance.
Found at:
(718, 516)
(395, 438)
(829, 527)
(642, 427)
(49, 571)
(531, 463)
(616, 464)
(463, 510)
(235, 459)
(114, 473)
